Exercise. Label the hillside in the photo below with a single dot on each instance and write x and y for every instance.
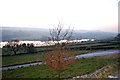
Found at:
(10, 33)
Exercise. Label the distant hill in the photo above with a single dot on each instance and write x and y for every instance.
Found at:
(11, 33)
(117, 37)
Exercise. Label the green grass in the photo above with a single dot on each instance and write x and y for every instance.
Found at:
(95, 45)
(8, 51)
(82, 66)
(43, 48)
(86, 45)
(18, 59)
(24, 58)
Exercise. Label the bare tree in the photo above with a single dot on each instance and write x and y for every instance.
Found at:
(13, 45)
(60, 57)
(58, 33)
(30, 48)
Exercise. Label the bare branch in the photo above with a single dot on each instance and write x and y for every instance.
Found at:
(58, 33)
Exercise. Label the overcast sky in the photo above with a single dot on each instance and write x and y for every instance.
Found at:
(80, 14)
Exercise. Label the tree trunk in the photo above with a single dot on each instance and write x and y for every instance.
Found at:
(14, 52)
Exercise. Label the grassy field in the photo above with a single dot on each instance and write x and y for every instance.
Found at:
(9, 52)
(25, 58)
(98, 46)
(18, 59)
(81, 67)
(73, 46)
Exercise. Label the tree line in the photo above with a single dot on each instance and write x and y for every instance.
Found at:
(15, 47)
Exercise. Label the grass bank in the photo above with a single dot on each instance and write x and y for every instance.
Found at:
(19, 59)
(81, 67)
